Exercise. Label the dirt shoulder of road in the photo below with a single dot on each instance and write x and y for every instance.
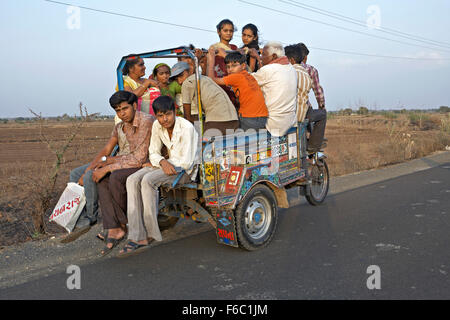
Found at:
(35, 259)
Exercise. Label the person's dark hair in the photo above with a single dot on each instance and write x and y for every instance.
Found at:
(224, 22)
(132, 60)
(295, 52)
(122, 96)
(235, 57)
(254, 30)
(155, 69)
(163, 104)
(304, 49)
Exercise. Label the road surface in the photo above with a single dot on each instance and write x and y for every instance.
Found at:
(392, 236)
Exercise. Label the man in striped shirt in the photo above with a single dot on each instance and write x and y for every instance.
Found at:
(316, 116)
(294, 54)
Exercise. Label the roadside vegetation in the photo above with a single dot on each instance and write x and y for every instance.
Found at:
(364, 139)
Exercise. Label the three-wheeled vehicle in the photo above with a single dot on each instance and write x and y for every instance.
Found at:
(242, 177)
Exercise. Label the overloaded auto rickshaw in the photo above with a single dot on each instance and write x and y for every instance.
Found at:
(242, 177)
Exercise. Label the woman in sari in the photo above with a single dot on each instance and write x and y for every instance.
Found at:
(133, 81)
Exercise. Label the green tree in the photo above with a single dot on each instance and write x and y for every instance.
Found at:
(444, 109)
(363, 111)
(347, 112)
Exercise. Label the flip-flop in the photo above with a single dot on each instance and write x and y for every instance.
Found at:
(114, 243)
(132, 248)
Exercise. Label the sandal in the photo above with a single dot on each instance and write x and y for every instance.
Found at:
(114, 243)
(104, 234)
(132, 248)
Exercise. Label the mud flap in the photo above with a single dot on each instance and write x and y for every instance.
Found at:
(226, 228)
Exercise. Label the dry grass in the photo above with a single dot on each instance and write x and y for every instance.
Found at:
(357, 143)
(25, 163)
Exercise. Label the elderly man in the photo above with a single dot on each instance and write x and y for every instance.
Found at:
(278, 81)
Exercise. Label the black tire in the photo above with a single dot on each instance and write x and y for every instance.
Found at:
(256, 218)
(166, 222)
(317, 191)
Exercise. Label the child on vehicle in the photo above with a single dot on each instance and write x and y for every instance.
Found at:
(250, 39)
(225, 30)
(253, 110)
(161, 79)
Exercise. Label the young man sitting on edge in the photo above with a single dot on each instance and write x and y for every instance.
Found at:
(252, 111)
(181, 140)
(132, 135)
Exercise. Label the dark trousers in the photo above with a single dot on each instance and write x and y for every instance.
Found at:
(252, 123)
(319, 119)
(218, 127)
(112, 197)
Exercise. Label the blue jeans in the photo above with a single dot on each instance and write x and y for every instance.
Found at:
(90, 212)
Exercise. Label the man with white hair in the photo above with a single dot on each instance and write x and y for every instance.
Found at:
(278, 81)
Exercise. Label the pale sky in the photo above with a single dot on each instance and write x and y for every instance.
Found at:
(53, 60)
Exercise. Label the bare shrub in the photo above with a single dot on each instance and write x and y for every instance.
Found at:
(421, 120)
(43, 196)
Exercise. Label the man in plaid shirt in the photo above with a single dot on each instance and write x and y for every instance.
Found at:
(318, 116)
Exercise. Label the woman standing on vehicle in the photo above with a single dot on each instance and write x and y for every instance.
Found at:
(133, 81)
(250, 39)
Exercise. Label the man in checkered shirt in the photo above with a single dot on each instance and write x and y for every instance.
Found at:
(316, 116)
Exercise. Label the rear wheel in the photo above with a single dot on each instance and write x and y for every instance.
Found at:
(256, 218)
(317, 190)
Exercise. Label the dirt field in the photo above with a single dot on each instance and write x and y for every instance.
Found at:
(355, 143)
(24, 159)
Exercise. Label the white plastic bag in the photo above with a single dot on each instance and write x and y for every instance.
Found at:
(69, 206)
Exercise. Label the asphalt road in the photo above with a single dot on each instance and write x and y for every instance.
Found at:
(400, 225)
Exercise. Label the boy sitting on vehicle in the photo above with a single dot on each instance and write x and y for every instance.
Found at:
(253, 110)
(181, 139)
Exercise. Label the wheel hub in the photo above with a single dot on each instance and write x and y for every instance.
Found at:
(258, 217)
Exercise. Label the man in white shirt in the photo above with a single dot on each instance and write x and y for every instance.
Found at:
(278, 81)
(181, 140)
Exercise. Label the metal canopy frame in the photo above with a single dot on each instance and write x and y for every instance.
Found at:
(169, 53)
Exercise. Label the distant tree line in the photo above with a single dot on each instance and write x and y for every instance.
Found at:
(64, 117)
(366, 111)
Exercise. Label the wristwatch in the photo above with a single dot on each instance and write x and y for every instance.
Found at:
(104, 158)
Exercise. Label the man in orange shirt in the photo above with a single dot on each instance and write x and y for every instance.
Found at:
(252, 110)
